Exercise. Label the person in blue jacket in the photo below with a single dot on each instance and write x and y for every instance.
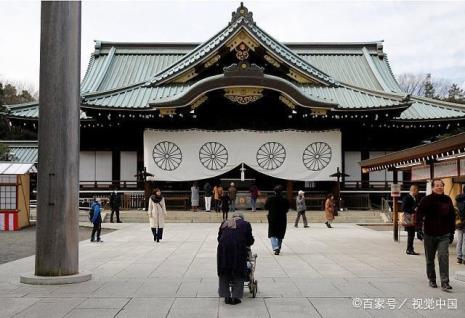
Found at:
(96, 208)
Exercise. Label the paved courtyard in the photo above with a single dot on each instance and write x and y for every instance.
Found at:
(347, 271)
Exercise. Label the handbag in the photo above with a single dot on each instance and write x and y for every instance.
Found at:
(407, 219)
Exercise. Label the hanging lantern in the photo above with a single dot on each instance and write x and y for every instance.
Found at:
(242, 172)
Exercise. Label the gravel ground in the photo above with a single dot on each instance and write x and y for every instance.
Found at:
(18, 244)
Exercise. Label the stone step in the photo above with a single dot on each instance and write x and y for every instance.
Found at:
(253, 217)
(139, 216)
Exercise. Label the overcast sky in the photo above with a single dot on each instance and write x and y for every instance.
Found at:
(419, 37)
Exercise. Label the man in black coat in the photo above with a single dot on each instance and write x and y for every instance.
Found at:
(436, 212)
(277, 207)
(234, 239)
(115, 204)
(409, 207)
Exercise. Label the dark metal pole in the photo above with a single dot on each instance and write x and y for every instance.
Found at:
(57, 235)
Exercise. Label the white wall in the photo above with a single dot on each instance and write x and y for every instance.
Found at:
(103, 166)
(95, 166)
(87, 166)
(352, 165)
(128, 165)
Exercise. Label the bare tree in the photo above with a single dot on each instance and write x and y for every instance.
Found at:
(25, 86)
(424, 85)
(411, 83)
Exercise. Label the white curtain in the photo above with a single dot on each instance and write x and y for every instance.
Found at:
(174, 155)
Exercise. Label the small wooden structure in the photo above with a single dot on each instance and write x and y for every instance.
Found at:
(443, 159)
(14, 195)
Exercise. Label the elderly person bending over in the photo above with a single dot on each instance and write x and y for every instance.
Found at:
(234, 239)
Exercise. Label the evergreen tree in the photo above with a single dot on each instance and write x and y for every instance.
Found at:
(428, 87)
(4, 150)
(455, 94)
(10, 96)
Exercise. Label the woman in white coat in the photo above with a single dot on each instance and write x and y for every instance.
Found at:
(157, 212)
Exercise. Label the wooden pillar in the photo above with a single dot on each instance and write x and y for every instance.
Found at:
(116, 167)
(57, 235)
(394, 209)
(289, 190)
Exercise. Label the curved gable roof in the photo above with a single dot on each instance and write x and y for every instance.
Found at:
(207, 50)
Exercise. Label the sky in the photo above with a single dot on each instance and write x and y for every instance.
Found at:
(419, 37)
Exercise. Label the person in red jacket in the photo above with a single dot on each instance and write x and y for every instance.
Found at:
(435, 223)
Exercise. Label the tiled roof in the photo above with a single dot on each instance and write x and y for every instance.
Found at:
(22, 151)
(124, 69)
(423, 109)
(346, 97)
(359, 74)
(30, 111)
(137, 97)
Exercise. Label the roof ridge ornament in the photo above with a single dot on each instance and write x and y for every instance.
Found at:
(242, 11)
(243, 69)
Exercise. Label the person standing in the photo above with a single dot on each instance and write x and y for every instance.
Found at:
(157, 213)
(115, 204)
(277, 207)
(409, 206)
(232, 190)
(460, 226)
(254, 193)
(435, 225)
(96, 209)
(207, 189)
(329, 210)
(195, 196)
(217, 194)
(225, 201)
(234, 239)
(300, 207)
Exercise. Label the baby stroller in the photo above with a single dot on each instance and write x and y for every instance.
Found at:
(251, 282)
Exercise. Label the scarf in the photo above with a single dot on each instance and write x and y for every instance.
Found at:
(231, 223)
(156, 198)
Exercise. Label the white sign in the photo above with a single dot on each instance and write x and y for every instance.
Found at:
(462, 167)
(421, 173)
(174, 155)
(445, 169)
(395, 190)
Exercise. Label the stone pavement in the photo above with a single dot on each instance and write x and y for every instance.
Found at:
(320, 273)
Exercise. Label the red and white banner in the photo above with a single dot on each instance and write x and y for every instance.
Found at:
(9, 221)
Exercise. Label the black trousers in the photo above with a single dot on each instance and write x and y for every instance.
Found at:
(410, 236)
(157, 234)
(113, 210)
(225, 215)
(217, 205)
(236, 284)
(439, 244)
(96, 229)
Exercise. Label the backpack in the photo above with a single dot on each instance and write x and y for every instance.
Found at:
(459, 221)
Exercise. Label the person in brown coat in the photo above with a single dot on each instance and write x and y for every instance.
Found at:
(217, 194)
(329, 210)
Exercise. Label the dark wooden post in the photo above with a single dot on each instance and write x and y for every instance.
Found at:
(394, 209)
(290, 189)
